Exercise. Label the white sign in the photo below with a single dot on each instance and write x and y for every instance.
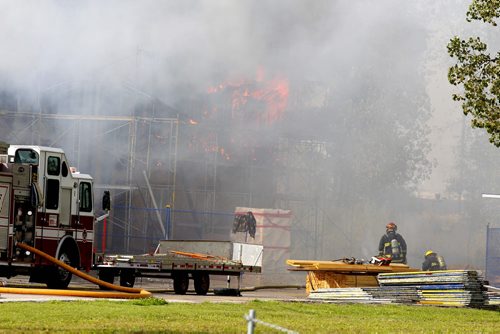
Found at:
(52, 220)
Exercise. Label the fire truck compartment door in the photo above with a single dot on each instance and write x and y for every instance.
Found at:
(65, 211)
(5, 189)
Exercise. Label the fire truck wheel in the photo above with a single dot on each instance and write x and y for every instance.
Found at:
(201, 283)
(107, 276)
(127, 278)
(181, 283)
(59, 278)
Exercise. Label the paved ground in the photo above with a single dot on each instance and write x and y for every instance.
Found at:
(163, 289)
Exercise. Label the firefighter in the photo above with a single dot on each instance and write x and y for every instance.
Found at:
(392, 245)
(433, 262)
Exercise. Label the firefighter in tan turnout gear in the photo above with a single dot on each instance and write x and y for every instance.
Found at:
(392, 245)
(433, 261)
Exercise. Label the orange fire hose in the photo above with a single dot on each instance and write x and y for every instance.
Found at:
(125, 292)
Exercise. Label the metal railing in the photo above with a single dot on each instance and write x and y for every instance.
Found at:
(252, 321)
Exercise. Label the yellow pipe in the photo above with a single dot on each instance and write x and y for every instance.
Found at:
(125, 291)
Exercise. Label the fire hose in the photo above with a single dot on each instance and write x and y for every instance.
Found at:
(124, 292)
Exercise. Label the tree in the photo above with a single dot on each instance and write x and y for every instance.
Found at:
(478, 72)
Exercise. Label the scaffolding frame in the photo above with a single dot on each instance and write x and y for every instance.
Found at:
(35, 129)
(308, 204)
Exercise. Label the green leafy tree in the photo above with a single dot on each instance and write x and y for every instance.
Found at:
(478, 72)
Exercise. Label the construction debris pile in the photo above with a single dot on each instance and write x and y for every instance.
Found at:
(460, 288)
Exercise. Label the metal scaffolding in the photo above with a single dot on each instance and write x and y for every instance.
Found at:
(201, 172)
(108, 148)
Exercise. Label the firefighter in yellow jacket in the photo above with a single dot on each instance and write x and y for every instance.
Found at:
(392, 245)
(433, 261)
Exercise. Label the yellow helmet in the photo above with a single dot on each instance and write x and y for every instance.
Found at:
(429, 252)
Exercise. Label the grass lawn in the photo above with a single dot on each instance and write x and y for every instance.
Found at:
(157, 315)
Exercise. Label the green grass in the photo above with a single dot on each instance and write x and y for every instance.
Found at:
(156, 315)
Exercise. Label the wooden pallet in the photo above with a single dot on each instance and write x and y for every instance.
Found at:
(324, 279)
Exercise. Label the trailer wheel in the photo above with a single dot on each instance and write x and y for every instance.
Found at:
(181, 283)
(107, 276)
(201, 283)
(127, 278)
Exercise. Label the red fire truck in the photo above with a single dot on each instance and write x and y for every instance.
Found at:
(46, 204)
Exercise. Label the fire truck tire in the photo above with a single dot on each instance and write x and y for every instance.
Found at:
(127, 278)
(181, 283)
(107, 276)
(59, 278)
(201, 283)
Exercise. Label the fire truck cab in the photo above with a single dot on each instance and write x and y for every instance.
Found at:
(46, 204)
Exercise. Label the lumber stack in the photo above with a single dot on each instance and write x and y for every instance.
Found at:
(345, 295)
(316, 280)
(458, 288)
(492, 299)
(341, 282)
(400, 295)
(342, 267)
(445, 288)
(375, 295)
(339, 274)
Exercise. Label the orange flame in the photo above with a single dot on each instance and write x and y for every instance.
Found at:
(273, 94)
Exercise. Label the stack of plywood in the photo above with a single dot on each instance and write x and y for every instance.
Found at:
(339, 274)
(316, 280)
(444, 288)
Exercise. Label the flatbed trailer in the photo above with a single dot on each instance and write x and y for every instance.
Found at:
(184, 260)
